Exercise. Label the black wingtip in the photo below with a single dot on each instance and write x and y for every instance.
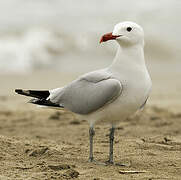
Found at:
(40, 94)
(33, 101)
(44, 102)
(18, 91)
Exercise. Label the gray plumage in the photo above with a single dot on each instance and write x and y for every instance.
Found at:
(88, 93)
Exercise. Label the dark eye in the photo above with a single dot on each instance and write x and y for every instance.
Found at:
(129, 29)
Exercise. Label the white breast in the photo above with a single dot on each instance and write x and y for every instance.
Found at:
(135, 91)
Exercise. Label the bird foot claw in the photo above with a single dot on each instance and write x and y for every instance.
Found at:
(97, 162)
(91, 160)
(109, 162)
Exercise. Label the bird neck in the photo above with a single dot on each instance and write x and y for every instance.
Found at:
(128, 57)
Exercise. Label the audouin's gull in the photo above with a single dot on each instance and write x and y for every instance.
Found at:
(113, 93)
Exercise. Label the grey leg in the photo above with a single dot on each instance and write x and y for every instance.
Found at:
(111, 139)
(91, 135)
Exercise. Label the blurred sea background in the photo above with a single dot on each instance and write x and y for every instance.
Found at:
(46, 44)
(64, 35)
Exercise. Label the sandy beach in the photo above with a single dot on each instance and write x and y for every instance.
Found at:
(39, 143)
(47, 44)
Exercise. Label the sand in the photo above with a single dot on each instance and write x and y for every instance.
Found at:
(49, 144)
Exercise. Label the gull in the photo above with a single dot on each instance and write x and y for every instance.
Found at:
(111, 94)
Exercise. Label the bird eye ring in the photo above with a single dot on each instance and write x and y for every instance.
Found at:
(129, 29)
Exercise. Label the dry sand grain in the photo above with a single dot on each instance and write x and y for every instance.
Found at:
(49, 144)
(40, 144)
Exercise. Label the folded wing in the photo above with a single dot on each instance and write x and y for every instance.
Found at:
(87, 94)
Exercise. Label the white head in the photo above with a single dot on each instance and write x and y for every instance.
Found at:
(126, 34)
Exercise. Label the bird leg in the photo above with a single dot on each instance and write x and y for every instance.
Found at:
(111, 139)
(91, 135)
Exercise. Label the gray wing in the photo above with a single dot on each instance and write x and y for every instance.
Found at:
(89, 93)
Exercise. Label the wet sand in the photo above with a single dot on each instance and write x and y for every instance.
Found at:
(49, 144)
